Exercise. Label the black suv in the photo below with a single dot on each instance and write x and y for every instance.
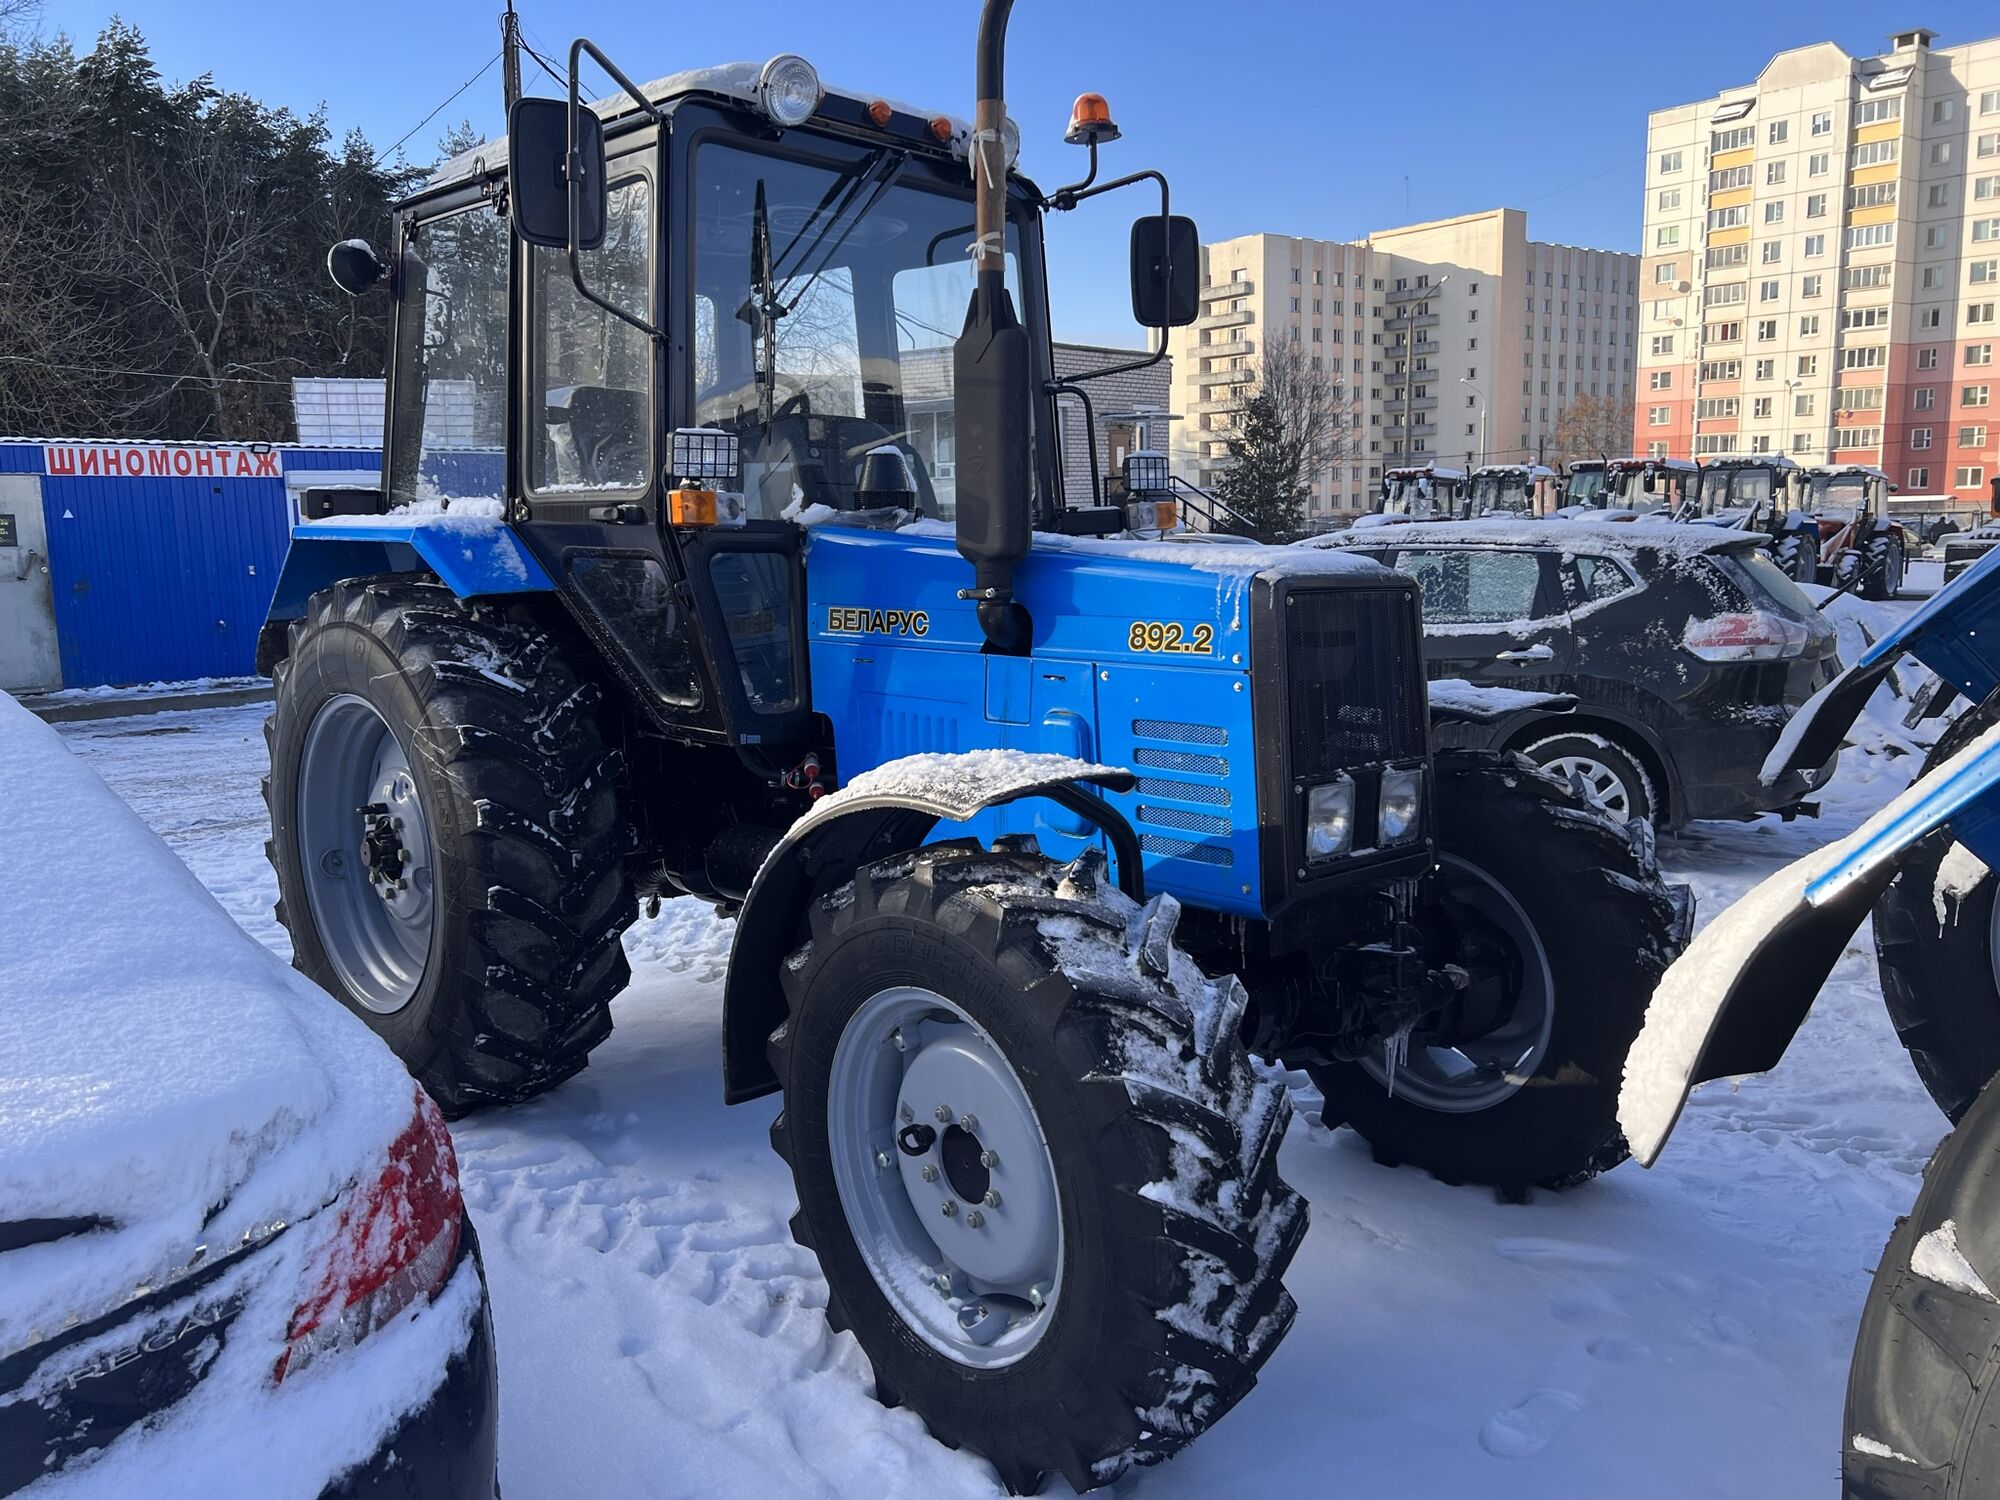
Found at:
(1685, 648)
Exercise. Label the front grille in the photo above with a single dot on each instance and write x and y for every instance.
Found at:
(1353, 679)
(1174, 729)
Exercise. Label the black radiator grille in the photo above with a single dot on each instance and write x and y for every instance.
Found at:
(1354, 679)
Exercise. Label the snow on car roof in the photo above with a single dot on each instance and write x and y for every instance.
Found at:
(1578, 535)
(162, 1070)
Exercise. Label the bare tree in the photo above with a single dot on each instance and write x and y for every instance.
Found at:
(1291, 427)
(196, 239)
(1593, 425)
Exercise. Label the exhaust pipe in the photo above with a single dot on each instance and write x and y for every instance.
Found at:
(993, 375)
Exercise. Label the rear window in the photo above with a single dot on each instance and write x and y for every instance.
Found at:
(1757, 571)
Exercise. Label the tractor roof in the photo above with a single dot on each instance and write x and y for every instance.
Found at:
(734, 83)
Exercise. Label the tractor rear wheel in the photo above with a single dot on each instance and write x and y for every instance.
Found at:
(1937, 947)
(1527, 1098)
(1797, 552)
(1034, 1159)
(446, 831)
(1883, 578)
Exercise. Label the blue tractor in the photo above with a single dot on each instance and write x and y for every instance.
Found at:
(722, 550)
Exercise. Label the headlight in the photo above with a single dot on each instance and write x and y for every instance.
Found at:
(1400, 811)
(789, 88)
(1330, 819)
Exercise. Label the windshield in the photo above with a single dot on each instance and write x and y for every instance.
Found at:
(1505, 494)
(1841, 492)
(1586, 487)
(1415, 495)
(1734, 489)
(1628, 491)
(827, 300)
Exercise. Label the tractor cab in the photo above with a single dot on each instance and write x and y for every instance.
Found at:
(1746, 492)
(1838, 495)
(1622, 489)
(1860, 546)
(1508, 489)
(1423, 492)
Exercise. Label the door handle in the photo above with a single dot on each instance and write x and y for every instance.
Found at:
(1528, 653)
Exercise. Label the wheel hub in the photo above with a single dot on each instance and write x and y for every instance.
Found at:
(944, 1176)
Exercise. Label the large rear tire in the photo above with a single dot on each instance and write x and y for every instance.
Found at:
(1935, 947)
(1797, 552)
(1090, 1275)
(1922, 1421)
(446, 831)
(1533, 1100)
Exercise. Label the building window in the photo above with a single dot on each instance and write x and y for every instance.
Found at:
(1761, 407)
(1927, 359)
(1869, 236)
(1729, 218)
(1979, 312)
(1972, 437)
(1663, 343)
(1774, 251)
(1920, 437)
(1811, 286)
(1871, 195)
(1663, 273)
(1815, 205)
(1732, 140)
(1808, 366)
(1774, 173)
(1933, 278)
(1860, 398)
(1864, 317)
(1765, 369)
(1774, 213)
(1660, 380)
(1727, 257)
(1984, 230)
(1868, 111)
(1857, 437)
(1940, 195)
(1809, 326)
(1920, 478)
(1717, 406)
(1727, 178)
(1989, 102)
(1659, 416)
(1815, 245)
(1767, 330)
(1930, 317)
(1724, 294)
(1923, 398)
(1968, 477)
(1667, 234)
(1974, 395)
(1975, 354)
(1721, 369)
(1723, 333)
(1803, 403)
(1866, 357)
(1941, 110)
(1940, 153)
(1767, 291)
(1874, 153)
(1983, 270)
(1822, 122)
(1819, 164)
(1987, 145)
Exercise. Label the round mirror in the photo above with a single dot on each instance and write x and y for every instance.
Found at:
(354, 266)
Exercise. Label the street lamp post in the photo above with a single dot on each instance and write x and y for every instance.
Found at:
(1785, 442)
(1482, 417)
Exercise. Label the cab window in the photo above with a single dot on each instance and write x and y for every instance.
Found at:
(591, 371)
(450, 435)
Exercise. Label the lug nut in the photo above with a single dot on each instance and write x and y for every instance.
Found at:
(950, 1209)
(992, 1199)
(943, 1113)
(970, 1124)
(943, 1284)
(1035, 1298)
(897, 1041)
(989, 1159)
(975, 1220)
(930, 1171)
(882, 1161)
(908, 1114)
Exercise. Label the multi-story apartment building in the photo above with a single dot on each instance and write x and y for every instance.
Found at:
(1485, 335)
(1822, 265)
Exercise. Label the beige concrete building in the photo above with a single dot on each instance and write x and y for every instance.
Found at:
(1485, 334)
(1822, 265)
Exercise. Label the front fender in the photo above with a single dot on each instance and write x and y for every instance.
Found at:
(1732, 1003)
(882, 812)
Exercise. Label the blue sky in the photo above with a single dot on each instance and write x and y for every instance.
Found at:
(1282, 115)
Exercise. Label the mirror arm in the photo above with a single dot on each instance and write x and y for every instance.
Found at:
(1054, 390)
(1066, 198)
(573, 173)
(1145, 362)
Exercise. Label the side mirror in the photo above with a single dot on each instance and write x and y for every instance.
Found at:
(1647, 483)
(538, 185)
(354, 266)
(1166, 272)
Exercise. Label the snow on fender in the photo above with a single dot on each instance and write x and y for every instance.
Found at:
(1731, 1004)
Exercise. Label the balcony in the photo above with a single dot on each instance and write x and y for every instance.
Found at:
(1409, 294)
(1424, 346)
(1207, 408)
(1401, 324)
(1217, 290)
(1229, 350)
(1225, 319)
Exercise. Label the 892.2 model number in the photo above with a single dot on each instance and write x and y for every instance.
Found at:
(1169, 636)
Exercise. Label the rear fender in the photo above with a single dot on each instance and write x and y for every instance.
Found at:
(473, 556)
(879, 813)
(1732, 1003)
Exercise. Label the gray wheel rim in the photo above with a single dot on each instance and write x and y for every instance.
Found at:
(1604, 786)
(1476, 1075)
(945, 1177)
(365, 854)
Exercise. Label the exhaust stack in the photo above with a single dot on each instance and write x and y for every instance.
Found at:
(993, 374)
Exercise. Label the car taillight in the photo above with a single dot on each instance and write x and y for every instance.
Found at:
(395, 1244)
(1755, 635)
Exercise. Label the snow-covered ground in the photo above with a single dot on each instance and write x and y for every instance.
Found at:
(1671, 1333)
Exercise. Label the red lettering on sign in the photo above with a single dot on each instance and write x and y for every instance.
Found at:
(204, 462)
(89, 462)
(267, 463)
(59, 460)
(183, 462)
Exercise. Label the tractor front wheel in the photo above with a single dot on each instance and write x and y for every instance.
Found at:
(1034, 1159)
(447, 837)
(1797, 552)
(1576, 926)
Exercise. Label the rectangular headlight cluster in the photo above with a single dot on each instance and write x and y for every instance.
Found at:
(1331, 814)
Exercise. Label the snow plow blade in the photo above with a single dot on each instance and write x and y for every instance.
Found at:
(1731, 1004)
